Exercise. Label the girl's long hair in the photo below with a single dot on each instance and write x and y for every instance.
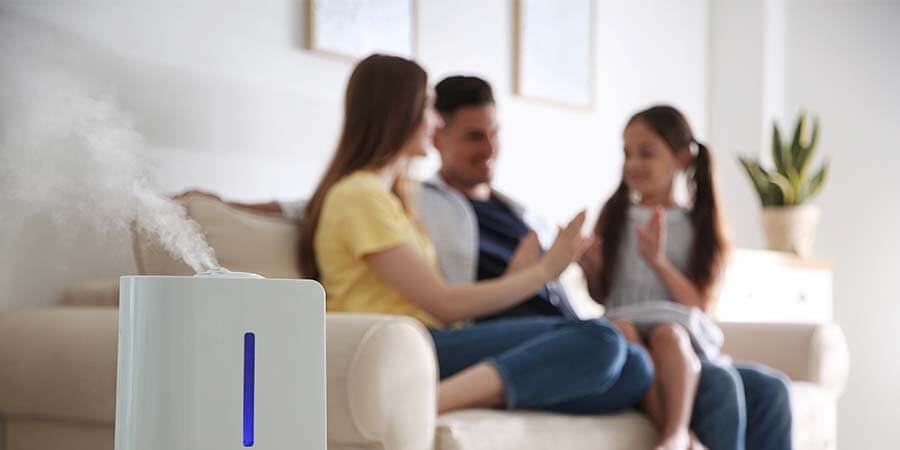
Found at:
(710, 243)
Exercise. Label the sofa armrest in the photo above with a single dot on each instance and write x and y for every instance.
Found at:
(59, 364)
(92, 293)
(815, 353)
(382, 382)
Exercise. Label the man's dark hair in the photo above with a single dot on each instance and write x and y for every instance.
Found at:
(456, 92)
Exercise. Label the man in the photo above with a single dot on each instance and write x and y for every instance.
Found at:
(480, 233)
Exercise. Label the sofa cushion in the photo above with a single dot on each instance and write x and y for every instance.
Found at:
(815, 416)
(244, 241)
(488, 430)
(813, 412)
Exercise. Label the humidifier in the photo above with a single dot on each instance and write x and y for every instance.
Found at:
(219, 361)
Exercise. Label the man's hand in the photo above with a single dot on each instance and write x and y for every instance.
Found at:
(527, 253)
(196, 192)
(267, 208)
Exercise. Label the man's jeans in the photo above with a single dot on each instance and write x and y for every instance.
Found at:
(552, 363)
(744, 406)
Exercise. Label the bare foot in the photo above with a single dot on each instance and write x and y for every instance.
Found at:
(679, 440)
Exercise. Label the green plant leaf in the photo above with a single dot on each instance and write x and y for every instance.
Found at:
(789, 154)
(788, 194)
(808, 150)
(817, 182)
(757, 177)
(754, 171)
(777, 148)
(797, 140)
(814, 139)
(774, 196)
(789, 183)
(802, 194)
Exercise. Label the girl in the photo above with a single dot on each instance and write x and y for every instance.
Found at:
(655, 267)
(361, 238)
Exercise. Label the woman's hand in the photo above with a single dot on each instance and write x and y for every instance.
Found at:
(568, 247)
(651, 240)
(528, 253)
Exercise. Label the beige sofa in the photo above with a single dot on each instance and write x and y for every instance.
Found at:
(58, 365)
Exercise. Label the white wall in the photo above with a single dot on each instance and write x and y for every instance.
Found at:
(746, 93)
(231, 101)
(838, 59)
(843, 63)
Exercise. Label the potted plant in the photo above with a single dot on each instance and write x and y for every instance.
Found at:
(789, 221)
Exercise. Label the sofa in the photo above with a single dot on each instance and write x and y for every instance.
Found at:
(58, 366)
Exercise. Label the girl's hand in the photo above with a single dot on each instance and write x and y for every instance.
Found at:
(528, 252)
(568, 246)
(651, 240)
(591, 260)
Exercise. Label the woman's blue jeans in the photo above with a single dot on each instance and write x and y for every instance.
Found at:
(552, 363)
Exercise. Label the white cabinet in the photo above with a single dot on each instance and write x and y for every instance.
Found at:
(765, 286)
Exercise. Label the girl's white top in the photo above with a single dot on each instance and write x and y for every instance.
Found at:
(634, 281)
(639, 295)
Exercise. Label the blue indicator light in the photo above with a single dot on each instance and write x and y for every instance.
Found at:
(249, 366)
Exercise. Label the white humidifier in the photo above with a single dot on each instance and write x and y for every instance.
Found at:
(219, 361)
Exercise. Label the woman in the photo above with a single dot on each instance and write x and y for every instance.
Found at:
(361, 238)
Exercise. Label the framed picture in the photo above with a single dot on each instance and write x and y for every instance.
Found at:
(357, 28)
(554, 54)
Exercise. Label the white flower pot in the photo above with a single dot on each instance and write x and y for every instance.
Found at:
(791, 229)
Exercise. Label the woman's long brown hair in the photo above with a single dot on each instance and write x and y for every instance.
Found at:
(385, 102)
(710, 243)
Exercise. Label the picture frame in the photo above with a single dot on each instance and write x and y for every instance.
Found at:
(554, 52)
(355, 29)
